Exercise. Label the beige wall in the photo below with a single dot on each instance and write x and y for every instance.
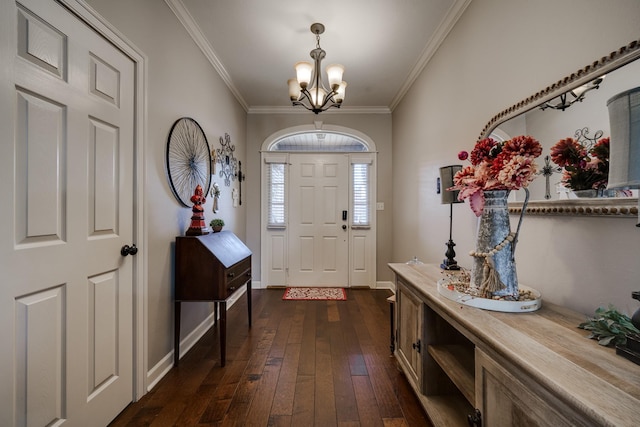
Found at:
(180, 82)
(499, 53)
(376, 126)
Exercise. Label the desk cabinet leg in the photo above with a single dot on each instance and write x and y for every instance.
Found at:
(215, 312)
(176, 334)
(223, 332)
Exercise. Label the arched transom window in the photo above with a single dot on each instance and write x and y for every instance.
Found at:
(319, 141)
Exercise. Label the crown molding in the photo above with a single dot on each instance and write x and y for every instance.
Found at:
(453, 14)
(186, 19)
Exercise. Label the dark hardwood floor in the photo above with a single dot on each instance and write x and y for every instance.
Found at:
(303, 363)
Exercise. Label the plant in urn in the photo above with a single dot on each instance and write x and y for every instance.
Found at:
(496, 169)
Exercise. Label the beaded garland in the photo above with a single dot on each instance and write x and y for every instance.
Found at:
(490, 278)
(497, 248)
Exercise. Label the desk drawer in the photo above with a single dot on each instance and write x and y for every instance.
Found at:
(236, 276)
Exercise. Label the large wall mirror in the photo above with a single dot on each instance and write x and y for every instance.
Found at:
(606, 77)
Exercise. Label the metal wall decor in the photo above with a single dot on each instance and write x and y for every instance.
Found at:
(188, 160)
(547, 171)
(241, 178)
(227, 161)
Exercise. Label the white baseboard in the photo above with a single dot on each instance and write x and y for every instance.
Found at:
(379, 285)
(386, 285)
(158, 372)
(165, 364)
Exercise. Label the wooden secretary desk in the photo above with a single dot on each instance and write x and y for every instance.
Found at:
(211, 267)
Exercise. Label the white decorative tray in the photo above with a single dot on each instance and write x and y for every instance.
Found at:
(492, 304)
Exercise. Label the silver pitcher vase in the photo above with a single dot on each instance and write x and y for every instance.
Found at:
(494, 226)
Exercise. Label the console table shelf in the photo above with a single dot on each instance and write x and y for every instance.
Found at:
(538, 366)
(447, 409)
(458, 363)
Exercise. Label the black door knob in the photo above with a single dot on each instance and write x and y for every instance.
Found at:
(128, 250)
(344, 227)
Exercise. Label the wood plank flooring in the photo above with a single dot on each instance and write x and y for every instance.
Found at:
(303, 363)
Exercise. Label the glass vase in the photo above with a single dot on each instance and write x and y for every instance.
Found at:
(493, 228)
(586, 194)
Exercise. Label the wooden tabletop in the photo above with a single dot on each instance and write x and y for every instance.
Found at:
(548, 346)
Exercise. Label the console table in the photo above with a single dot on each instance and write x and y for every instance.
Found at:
(470, 366)
(211, 267)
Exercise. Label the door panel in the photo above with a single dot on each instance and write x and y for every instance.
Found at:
(39, 155)
(318, 245)
(66, 107)
(40, 369)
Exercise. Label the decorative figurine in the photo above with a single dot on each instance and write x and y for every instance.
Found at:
(215, 192)
(234, 197)
(197, 227)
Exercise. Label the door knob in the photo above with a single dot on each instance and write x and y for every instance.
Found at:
(128, 250)
(344, 227)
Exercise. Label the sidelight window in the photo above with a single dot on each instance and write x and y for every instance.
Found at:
(361, 199)
(276, 178)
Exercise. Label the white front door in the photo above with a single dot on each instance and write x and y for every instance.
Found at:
(318, 235)
(66, 168)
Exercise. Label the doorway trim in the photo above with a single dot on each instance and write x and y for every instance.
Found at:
(316, 127)
(140, 327)
(274, 247)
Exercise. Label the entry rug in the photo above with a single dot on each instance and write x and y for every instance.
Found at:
(327, 294)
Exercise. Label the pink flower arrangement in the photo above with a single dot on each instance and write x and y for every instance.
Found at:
(585, 167)
(507, 165)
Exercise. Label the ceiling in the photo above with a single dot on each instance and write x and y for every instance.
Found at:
(383, 44)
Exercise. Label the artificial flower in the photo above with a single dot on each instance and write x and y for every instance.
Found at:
(585, 166)
(507, 165)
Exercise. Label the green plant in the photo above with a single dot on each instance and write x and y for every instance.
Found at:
(609, 326)
(216, 222)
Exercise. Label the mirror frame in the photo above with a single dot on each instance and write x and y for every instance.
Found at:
(615, 207)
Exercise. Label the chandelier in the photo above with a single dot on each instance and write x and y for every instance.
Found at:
(567, 99)
(307, 88)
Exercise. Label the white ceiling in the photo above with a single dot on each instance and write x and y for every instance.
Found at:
(383, 44)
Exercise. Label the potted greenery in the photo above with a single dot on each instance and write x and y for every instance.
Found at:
(216, 224)
(610, 327)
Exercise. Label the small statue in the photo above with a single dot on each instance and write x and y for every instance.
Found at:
(198, 226)
(215, 192)
(234, 197)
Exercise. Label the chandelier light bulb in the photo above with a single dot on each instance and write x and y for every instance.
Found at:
(303, 73)
(334, 73)
(317, 96)
(294, 89)
(339, 96)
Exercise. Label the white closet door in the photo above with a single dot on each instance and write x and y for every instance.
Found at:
(66, 167)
